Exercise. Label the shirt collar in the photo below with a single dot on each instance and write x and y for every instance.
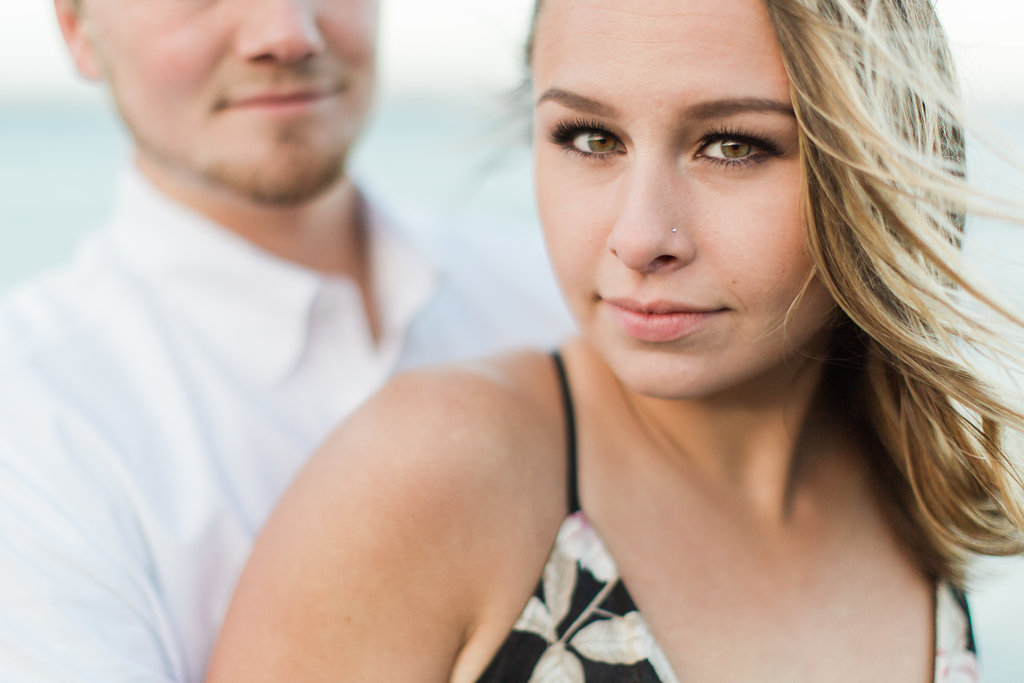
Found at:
(254, 306)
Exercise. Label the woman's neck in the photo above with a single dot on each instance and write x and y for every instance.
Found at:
(754, 443)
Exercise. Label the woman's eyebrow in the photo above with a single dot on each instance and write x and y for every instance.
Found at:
(738, 105)
(702, 110)
(578, 102)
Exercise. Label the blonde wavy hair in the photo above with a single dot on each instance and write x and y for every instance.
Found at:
(885, 200)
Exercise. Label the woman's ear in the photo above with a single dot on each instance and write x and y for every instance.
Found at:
(74, 27)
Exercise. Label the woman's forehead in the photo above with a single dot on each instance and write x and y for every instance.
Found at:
(659, 48)
(622, 18)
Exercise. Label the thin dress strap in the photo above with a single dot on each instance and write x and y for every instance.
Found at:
(572, 484)
(961, 599)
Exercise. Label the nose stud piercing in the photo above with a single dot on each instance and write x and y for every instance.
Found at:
(674, 230)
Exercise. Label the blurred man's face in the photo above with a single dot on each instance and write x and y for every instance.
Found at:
(261, 98)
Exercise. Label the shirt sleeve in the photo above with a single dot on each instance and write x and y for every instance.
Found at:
(78, 601)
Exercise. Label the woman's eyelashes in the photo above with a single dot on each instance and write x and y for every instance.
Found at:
(727, 147)
(735, 148)
(586, 139)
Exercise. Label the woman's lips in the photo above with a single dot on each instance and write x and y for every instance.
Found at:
(658, 322)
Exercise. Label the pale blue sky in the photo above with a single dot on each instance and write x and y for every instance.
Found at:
(426, 45)
(453, 45)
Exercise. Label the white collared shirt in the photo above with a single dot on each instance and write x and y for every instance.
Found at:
(157, 395)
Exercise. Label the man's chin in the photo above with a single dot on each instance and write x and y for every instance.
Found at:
(280, 185)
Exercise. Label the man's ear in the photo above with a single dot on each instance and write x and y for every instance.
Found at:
(73, 26)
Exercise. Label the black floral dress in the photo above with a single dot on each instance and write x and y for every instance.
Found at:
(581, 625)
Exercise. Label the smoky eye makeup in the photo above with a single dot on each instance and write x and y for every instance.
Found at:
(734, 146)
(585, 137)
(730, 146)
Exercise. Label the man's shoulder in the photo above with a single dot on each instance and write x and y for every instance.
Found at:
(54, 376)
(66, 307)
(70, 351)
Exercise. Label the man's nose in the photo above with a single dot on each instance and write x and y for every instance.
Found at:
(280, 30)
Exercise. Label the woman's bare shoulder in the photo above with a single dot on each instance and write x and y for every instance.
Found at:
(471, 418)
(432, 493)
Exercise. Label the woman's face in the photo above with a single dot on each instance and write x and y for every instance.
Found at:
(668, 182)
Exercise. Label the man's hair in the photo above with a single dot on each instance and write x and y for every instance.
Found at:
(885, 198)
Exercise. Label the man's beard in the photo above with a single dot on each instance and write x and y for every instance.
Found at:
(290, 167)
(296, 172)
(294, 176)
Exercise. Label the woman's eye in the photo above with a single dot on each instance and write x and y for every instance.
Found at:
(595, 142)
(729, 150)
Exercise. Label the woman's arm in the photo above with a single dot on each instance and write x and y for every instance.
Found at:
(383, 555)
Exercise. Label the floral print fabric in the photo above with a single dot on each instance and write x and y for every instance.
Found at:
(581, 625)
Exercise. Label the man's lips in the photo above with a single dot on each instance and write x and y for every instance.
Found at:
(296, 98)
(271, 100)
(658, 321)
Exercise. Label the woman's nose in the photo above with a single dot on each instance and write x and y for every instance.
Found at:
(650, 232)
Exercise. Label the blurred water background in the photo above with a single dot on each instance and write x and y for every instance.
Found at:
(447, 137)
(59, 163)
